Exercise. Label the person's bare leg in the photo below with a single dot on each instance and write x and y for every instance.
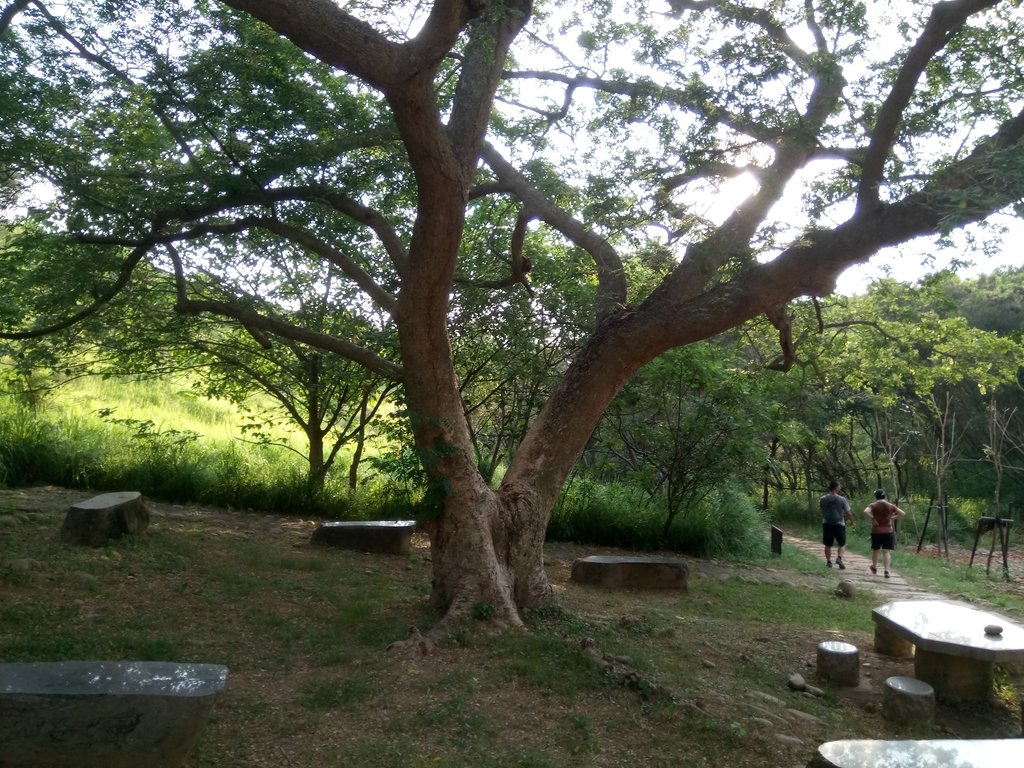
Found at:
(828, 555)
(874, 561)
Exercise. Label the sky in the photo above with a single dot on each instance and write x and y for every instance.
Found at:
(974, 251)
(917, 259)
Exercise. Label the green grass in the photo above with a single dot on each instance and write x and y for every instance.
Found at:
(159, 438)
(306, 631)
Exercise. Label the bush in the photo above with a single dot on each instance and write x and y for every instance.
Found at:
(793, 509)
(726, 523)
(615, 515)
(619, 515)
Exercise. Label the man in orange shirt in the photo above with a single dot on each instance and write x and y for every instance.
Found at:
(883, 535)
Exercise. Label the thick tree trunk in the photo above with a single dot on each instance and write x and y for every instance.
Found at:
(487, 550)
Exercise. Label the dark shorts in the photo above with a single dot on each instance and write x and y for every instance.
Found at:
(833, 533)
(883, 541)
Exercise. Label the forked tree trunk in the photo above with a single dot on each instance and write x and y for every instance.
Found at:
(488, 545)
(487, 552)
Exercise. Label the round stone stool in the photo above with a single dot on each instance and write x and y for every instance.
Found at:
(839, 662)
(908, 701)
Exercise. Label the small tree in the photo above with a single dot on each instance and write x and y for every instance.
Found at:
(685, 426)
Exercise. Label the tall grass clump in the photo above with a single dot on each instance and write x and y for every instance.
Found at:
(790, 508)
(726, 523)
(162, 441)
(378, 496)
(53, 448)
(74, 448)
(614, 515)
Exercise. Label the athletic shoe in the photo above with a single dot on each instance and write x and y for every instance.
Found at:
(828, 563)
(887, 574)
(873, 569)
(839, 562)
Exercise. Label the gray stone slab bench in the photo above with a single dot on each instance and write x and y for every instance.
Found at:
(387, 537)
(955, 646)
(631, 572)
(928, 753)
(104, 714)
(94, 522)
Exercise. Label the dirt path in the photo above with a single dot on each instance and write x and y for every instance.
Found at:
(896, 587)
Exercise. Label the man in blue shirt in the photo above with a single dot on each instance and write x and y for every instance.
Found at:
(835, 511)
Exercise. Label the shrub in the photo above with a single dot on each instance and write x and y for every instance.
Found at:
(725, 523)
(792, 509)
(619, 515)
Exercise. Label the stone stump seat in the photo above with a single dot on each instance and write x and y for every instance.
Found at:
(631, 572)
(386, 537)
(104, 714)
(908, 701)
(839, 663)
(94, 522)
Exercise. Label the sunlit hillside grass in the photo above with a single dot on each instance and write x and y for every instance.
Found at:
(168, 403)
(158, 437)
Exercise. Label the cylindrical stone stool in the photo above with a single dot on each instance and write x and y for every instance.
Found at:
(908, 701)
(839, 662)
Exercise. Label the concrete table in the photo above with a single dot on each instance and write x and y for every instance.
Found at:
(953, 651)
(962, 753)
(104, 714)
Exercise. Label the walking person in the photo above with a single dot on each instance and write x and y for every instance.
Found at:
(835, 511)
(883, 534)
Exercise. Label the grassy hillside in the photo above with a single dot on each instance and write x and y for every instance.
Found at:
(159, 438)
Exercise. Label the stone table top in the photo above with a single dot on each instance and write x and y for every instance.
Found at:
(87, 678)
(368, 524)
(944, 626)
(105, 500)
(962, 753)
(631, 560)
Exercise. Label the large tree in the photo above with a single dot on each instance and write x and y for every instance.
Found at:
(193, 133)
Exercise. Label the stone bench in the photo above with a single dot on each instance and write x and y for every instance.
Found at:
(631, 572)
(387, 537)
(94, 522)
(104, 714)
(838, 663)
(867, 753)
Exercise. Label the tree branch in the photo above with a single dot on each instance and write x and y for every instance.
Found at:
(102, 299)
(945, 21)
(252, 319)
(306, 239)
(610, 274)
(8, 14)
